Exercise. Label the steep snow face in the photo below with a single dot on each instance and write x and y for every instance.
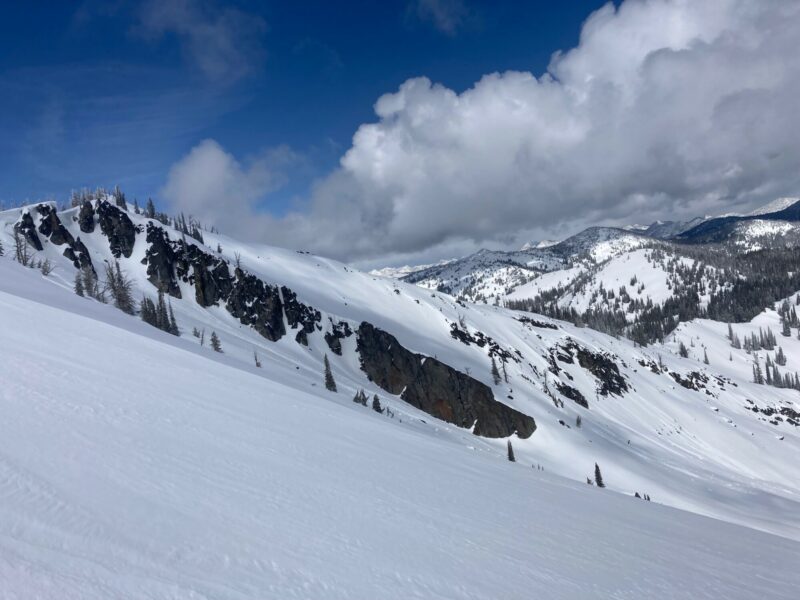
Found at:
(776, 205)
(703, 337)
(600, 243)
(487, 276)
(628, 282)
(400, 272)
(137, 464)
(758, 234)
(538, 245)
(668, 229)
(646, 429)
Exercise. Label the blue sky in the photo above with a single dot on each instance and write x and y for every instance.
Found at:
(405, 131)
(88, 97)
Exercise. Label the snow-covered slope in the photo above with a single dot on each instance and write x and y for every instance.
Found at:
(134, 464)
(400, 272)
(488, 276)
(757, 234)
(776, 205)
(629, 281)
(662, 430)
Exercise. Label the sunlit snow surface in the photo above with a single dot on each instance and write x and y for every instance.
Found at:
(137, 465)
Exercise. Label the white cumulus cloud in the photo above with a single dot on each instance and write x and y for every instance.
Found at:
(666, 108)
(213, 186)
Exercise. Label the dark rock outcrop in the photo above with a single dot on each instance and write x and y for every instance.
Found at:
(536, 323)
(117, 226)
(299, 314)
(571, 393)
(170, 260)
(86, 217)
(258, 305)
(51, 226)
(27, 229)
(334, 337)
(160, 258)
(78, 253)
(481, 340)
(436, 388)
(603, 368)
(210, 276)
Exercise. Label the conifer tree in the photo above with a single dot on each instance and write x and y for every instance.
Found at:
(495, 372)
(758, 375)
(360, 397)
(330, 383)
(162, 316)
(376, 404)
(705, 356)
(215, 343)
(683, 351)
(119, 198)
(78, 285)
(511, 452)
(21, 254)
(173, 325)
(780, 357)
(147, 311)
(120, 288)
(91, 286)
(598, 477)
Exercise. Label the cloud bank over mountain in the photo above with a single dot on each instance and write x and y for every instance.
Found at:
(663, 108)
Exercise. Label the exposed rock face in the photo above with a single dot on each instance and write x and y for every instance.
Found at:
(257, 304)
(602, 367)
(160, 258)
(571, 393)
(246, 297)
(334, 337)
(27, 229)
(86, 217)
(481, 340)
(210, 276)
(118, 228)
(78, 253)
(436, 388)
(299, 315)
(52, 227)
